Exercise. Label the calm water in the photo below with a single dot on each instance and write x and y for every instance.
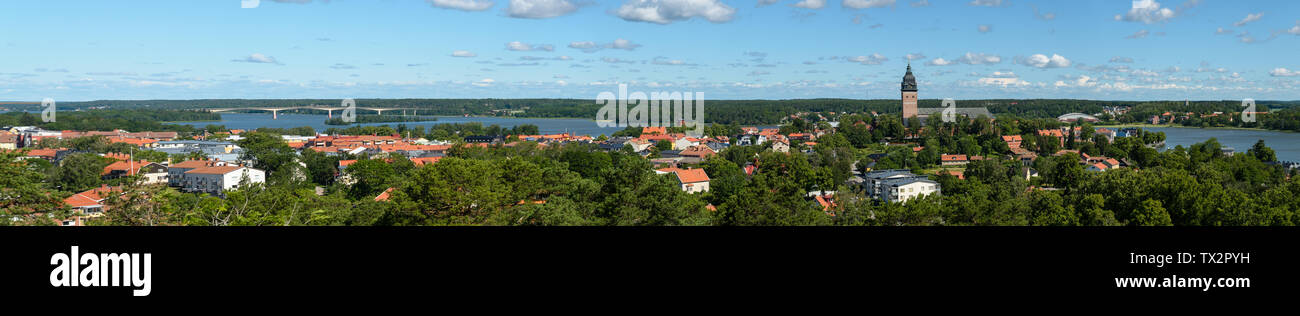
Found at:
(1286, 144)
(250, 121)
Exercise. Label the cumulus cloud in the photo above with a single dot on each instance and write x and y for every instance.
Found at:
(1043, 61)
(1249, 18)
(463, 5)
(810, 4)
(916, 56)
(485, 82)
(463, 53)
(1149, 11)
(523, 47)
(867, 4)
(1222, 31)
(539, 9)
(1283, 72)
(669, 11)
(257, 59)
(939, 61)
(979, 59)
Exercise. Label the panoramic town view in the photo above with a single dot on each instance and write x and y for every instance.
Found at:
(651, 113)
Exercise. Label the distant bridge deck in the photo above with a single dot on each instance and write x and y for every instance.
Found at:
(275, 111)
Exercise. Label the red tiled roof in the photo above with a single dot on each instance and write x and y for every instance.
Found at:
(425, 160)
(214, 170)
(193, 164)
(127, 166)
(688, 175)
(954, 157)
(384, 196)
(654, 130)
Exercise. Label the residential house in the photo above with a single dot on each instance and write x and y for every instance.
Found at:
(954, 160)
(781, 147)
(150, 172)
(90, 202)
(691, 180)
(176, 172)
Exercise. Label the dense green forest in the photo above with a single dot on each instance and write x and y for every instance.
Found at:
(102, 120)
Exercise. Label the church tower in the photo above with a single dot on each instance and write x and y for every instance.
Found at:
(909, 94)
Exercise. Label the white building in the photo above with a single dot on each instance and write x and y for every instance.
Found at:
(215, 180)
(898, 185)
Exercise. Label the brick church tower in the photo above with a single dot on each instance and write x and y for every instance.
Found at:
(909, 94)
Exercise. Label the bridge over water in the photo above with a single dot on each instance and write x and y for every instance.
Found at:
(275, 111)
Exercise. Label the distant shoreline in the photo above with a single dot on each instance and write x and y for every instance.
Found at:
(1193, 127)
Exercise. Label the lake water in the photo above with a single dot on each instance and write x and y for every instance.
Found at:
(249, 121)
(1286, 144)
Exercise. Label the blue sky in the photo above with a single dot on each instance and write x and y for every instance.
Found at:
(727, 49)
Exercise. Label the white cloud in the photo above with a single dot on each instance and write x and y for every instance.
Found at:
(613, 60)
(1043, 61)
(979, 59)
(668, 11)
(917, 56)
(485, 82)
(1294, 30)
(463, 53)
(539, 9)
(811, 4)
(922, 3)
(1222, 31)
(590, 47)
(257, 59)
(867, 4)
(939, 61)
(873, 59)
(1139, 34)
(669, 62)
(985, 28)
(586, 46)
(523, 47)
(463, 5)
(1146, 11)
(989, 3)
(1283, 72)
(1121, 59)
(623, 44)
(1249, 18)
